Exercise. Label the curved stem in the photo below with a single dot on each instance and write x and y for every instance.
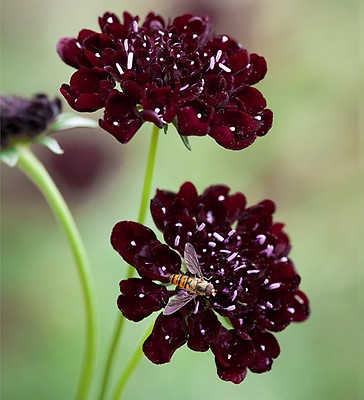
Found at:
(36, 172)
(141, 218)
(124, 377)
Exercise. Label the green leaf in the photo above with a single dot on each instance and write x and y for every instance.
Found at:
(49, 142)
(69, 121)
(9, 156)
(186, 142)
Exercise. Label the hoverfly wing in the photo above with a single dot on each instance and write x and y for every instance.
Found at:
(191, 260)
(178, 301)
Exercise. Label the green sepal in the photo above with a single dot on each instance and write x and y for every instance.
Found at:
(9, 156)
(186, 142)
(69, 121)
(50, 143)
(165, 128)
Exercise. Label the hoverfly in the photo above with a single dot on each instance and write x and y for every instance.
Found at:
(193, 286)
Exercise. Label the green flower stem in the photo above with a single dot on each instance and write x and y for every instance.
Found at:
(148, 177)
(141, 218)
(124, 377)
(36, 172)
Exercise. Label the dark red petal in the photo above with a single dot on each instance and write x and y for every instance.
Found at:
(230, 349)
(189, 24)
(259, 69)
(124, 131)
(153, 117)
(178, 231)
(223, 43)
(128, 238)
(294, 306)
(232, 356)
(141, 297)
(132, 89)
(251, 101)
(283, 276)
(159, 105)
(160, 207)
(94, 45)
(194, 118)
(166, 204)
(266, 349)
(154, 22)
(239, 60)
(84, 34)
(157, 261)
(128, 18)
(108, 19)
(71, 53)
(256, 218)
(88, 90)
(234, 129)
(87, 102)
(266, 122)
(234, 374)
(169, 333)
(121, 117)
(298, 304)
(211, 208)
(282, 247)
(188, 194)
(234, 205)
(203, 328)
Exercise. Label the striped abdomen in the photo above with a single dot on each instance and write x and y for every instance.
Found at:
(184, 282)
(192, 284)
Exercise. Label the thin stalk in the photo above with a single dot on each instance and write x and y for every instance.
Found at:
(36, 172)
(141, 218)
(124, 377)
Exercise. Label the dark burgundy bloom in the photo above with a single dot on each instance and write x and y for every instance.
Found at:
(26, 118)
(178, 72)
(242, 252)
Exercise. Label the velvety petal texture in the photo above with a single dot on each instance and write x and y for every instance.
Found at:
(23, 118)
(242, 252)
(179, 72)
(140, 298)
(169, 333)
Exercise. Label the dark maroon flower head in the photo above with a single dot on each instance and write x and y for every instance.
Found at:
(241, 251)
(23, 118)
(178, 72)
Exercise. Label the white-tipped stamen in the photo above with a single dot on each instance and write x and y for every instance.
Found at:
(299, 299)
(118, 67)
(126, 45)
(212, 63)
(130, 60)
(274, 286)
(218, 237)
(176, 240)
(261, 239)
(232, 256)
(218, 55)
(224, 67)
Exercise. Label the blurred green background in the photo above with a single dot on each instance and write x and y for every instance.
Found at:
(309, 164)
